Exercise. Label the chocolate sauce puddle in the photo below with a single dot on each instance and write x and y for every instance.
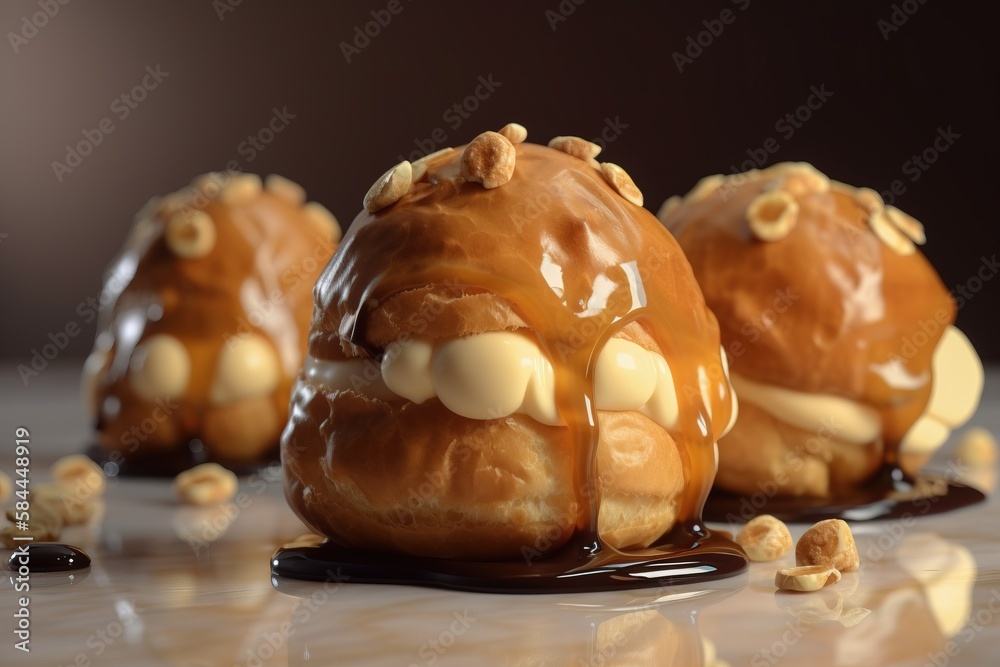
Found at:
(708, 557)
(890, 494)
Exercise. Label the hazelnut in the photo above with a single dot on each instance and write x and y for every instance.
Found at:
(805, 578)
(190, 233)
(488, 159)
(575, 146)
(515, 132)
(285, 189)
(772, 215)
(84, 478)
(622, 183)
(389, 188)
(765, 538)
(829, 543)
(205, 484)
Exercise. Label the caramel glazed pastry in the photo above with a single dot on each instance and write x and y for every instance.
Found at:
(504, 328)
(838, 330)
(204, 319)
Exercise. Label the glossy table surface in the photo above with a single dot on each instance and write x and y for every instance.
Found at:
(173, 585)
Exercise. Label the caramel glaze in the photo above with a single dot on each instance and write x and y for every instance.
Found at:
(858, 304)
(578, 263)
(256, 278)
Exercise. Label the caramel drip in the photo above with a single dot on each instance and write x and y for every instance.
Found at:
(847, 315)
(577, 262)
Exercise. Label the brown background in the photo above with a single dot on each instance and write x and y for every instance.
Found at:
(605, 61)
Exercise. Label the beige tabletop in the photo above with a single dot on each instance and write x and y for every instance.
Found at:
(173, 585)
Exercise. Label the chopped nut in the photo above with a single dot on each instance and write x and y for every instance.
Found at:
(907, 224)
(6, 486)
(389, 188)
(190, 233)
(286, 189)
(765, 538)
(488, 159)
(81, 475)
(890, 234)
(806, 578)
(324, 221)
(622, 183)
(241, 189)
(575, 146)
(210, 185)
(668, 207)
(828, 543)
(206, 484)
(869, 200)
(772, 215)
(705, 188)
(515, 132)
(977, 447)
(421, 165)
(801, 178)
(64, 501)
(419, 171)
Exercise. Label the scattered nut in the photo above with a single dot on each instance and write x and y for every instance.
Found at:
(286, 189)
(772, 215)
(977, 447)
(705, 188)
(241, 189)
(622, 183)
(805, 578)
(6, 486)
(828, 543)
(324, 221)
(64, 501)
(81, 475)
(575, 146)
(668, 207)
(890, 234)
(206, 484)
(389, 188)
(210, 185)
(765, 538)
(515, 132)
(419, 171)
(869, 200)
(190, 233)
(801, 178)
(488, 159)
(907, 224)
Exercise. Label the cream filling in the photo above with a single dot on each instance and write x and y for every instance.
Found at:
(496, 374)
(839, 417)
(957, 386)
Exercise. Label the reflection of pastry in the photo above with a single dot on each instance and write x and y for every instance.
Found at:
(925, 609)
(838, 330)
(445, 407)
(204, 316)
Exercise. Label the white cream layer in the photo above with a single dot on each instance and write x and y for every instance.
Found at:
(496, 374)
(957, 385)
